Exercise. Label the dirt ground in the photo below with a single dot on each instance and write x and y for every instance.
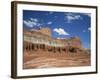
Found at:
(41, 59)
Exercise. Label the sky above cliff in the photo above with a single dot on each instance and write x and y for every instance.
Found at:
(62, 24)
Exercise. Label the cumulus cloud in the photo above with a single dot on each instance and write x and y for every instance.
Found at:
(34, 19)
(49, 22)
(70, 17)
(87, 30)
(28, 23)
(60, 31)
(32, 22)
(60, 38)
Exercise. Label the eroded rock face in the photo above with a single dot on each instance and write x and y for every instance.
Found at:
(36, 39)
(41, 50)
(37, 36)
(75, 42)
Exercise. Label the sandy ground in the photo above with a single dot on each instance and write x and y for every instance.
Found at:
(39, 59)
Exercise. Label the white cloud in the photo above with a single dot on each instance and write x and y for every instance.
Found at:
(28, 23)
(49, 22)
(32, 22)
(89, 29)
(60, 38)
(34, 19)
(70, 17)
(60, 31)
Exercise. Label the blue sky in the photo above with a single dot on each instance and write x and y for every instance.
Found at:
(62, 24)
